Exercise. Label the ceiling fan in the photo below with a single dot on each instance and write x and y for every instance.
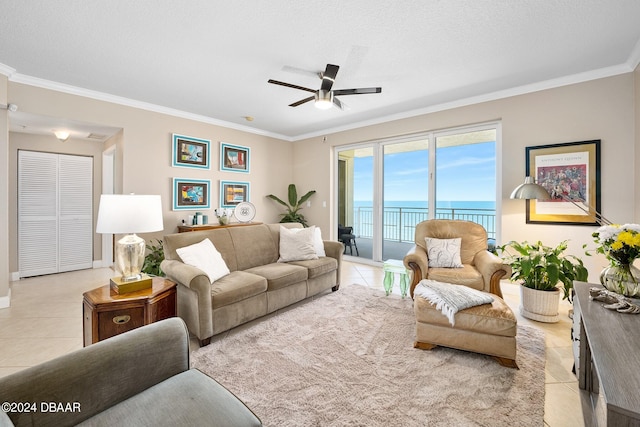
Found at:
(325, 97)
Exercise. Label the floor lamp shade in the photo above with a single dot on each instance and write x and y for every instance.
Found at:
(530, 190)
(129, 214)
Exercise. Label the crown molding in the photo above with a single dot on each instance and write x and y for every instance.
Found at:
(507, 93)
(101, 96)
(634, 57)
(6, 70)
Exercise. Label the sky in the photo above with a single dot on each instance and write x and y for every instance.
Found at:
(463, 173)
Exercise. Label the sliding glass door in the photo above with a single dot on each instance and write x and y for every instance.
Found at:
(386, 187)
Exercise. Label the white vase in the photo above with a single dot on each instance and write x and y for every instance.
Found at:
(541, 306)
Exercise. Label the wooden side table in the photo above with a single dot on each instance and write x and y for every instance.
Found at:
(187, 228)
(107, 313)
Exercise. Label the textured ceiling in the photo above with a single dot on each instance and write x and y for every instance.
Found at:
(211, 59)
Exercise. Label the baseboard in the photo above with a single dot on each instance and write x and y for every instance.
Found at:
(101, 264)
(14, 276)
(5, 302)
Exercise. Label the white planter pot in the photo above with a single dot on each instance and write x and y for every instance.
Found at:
(541, 306)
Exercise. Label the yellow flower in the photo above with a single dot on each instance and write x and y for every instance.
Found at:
(617, 245)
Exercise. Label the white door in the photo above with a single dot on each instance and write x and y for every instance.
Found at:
(55, 223)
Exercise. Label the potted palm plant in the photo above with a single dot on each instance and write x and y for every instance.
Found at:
(294, 206)
(540, 269)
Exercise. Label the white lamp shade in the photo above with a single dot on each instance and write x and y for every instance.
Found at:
(129, 213)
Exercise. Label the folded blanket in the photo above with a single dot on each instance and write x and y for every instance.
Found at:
(450, 298)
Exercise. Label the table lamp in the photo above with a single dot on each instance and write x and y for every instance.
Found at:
(129, 214)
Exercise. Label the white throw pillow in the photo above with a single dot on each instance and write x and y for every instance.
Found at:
(444, 253)
(206, 257)
(318, 243)
(297, 244)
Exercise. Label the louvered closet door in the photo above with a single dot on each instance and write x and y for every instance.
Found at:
(75, 206)
(55, 231)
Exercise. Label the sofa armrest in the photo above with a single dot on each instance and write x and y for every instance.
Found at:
(99, 376)
(335, 249)
(417, 261)
(492, 269)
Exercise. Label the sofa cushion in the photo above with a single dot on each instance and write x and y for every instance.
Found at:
(297, 244)
(237, 286)
(318, 267)
(188, 399)
(467, 275)
(205, 256)
(253, 246)
(280, 275)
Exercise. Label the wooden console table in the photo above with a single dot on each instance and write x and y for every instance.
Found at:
(607, 364)
(187, 228)
(107, 313)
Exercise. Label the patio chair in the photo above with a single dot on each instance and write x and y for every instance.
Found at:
(346, 236)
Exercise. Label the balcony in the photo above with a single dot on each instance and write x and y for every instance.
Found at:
(399, 225)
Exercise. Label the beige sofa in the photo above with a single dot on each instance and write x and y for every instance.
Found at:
(138, 378)
(257, 284)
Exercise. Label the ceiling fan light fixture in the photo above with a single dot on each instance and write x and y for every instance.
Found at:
(324, 99)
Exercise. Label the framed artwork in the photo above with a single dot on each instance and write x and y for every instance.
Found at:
(190, 152)
(191, 194)
(570, 172)
(233, 193)
(234, 158)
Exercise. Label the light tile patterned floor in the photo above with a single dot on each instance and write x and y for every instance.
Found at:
(45, 321)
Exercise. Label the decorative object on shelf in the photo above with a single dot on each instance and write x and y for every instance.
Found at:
(190, 152)
(540, 269)
(233, 193)
(614, 301)
(223, 215)
(294, 205)
(245, 212)
(234, 158)
(129, 214)
(621, 245)
(191, 194)
(570, 173)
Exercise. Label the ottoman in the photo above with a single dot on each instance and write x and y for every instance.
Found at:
(488, 329)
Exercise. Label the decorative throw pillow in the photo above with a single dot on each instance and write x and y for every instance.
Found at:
(318, 243)
(206, 257)
(444, 253)
(296, 244)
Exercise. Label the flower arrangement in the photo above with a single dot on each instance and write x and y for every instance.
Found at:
(619, 243)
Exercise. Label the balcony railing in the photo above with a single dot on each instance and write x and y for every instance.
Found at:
(399, 223)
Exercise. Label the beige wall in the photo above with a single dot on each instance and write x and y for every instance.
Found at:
(636, 169)
(143, 154)
(600, 109)
(4, 196)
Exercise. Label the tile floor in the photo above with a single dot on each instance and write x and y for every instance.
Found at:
(45, 321)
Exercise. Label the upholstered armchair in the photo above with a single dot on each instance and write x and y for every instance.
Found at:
(480, 269)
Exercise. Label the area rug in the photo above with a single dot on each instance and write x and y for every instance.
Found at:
(347, 359)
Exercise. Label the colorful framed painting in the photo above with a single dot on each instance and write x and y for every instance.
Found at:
(570, 172)
(191, 194)
(234, 158)
(233, 193)
(189, 152)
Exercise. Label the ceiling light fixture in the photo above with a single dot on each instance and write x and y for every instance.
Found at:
(62, 135)
(324, 99)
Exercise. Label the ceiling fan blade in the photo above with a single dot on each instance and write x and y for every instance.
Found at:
(276, 82)
(341, 105)
(360, 91)
(302, 101)
(329, 76)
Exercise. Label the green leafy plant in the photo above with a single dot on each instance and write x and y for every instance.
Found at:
(154, 257)
(294, 206)
(541, 267)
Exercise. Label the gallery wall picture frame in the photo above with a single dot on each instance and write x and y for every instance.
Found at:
(570, 172)
(190, 152)
(232, 193)
(191, 194)
(234, 158)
